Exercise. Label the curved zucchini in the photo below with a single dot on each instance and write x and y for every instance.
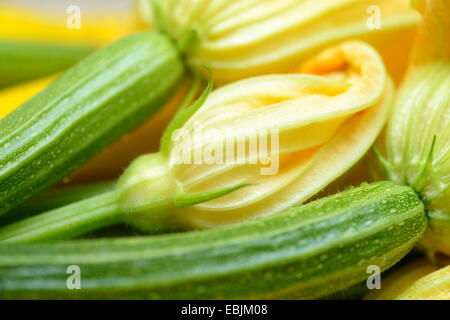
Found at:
(88, 107)
(305, 252)
(22, 61)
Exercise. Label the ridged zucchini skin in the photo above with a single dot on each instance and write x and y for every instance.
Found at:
(305, 252)
(88, 107)
(22, 61)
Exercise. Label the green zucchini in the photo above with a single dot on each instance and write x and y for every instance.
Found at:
(25, 60)
(88, 107)
(308, 251)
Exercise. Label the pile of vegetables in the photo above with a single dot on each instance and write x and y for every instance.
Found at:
(325, 94)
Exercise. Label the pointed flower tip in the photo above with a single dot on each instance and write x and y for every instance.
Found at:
(187, 41)
(185, 114)
(427, 167)
(383, 163)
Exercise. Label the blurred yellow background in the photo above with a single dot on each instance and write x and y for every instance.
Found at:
(101, 21)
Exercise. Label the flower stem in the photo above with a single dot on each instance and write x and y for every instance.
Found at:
(66, 222)
(55, 198)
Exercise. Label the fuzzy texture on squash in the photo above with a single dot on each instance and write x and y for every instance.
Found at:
(304, 252)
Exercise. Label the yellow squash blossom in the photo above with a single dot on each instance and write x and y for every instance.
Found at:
(238, 39)
(252, 148)
(111, 161)
(396, 284)
(434, 286)
(417, 140)
(399, 280)
(308, 128)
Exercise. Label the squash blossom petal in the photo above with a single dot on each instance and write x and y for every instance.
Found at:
(284, 137)
(411, 282)
(418, 134)
(238, 39)
(434, 286)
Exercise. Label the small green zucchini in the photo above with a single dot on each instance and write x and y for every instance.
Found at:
(88, 107)
(308, 251)
(25, 60)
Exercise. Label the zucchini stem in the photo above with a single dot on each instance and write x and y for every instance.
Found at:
(66, 222)
(55, 198)
(144, 197)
